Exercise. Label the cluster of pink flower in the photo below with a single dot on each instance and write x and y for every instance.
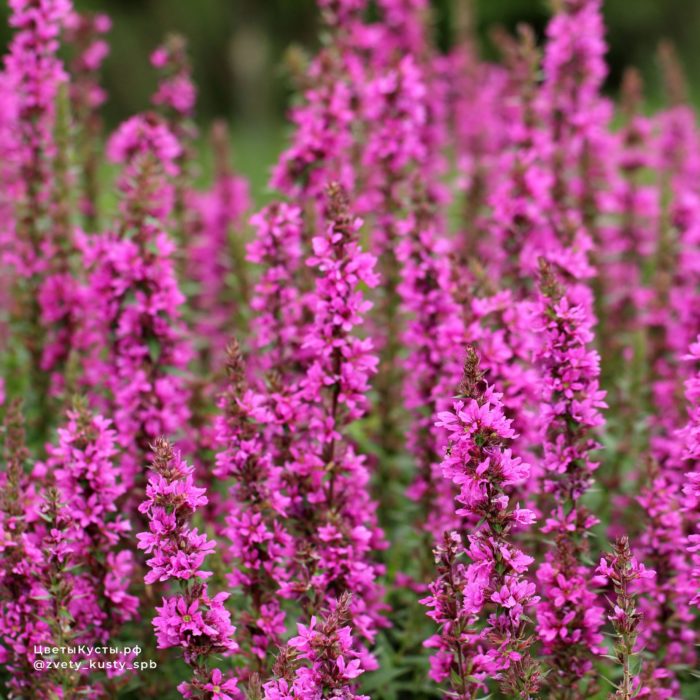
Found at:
(399, 411)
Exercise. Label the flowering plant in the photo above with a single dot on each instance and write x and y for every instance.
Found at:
(238, 439)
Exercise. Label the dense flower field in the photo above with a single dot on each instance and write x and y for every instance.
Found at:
(427, 424)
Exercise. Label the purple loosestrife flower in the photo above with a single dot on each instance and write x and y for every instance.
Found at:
(570, 389)
(84, 467)
(278, 300)
(403, 107)
(673, 322)
(85, 32)
(190, 619)
(622, 570)
(332, 662)
(577, 121)
(321, 140)
(50, 591)
(260, 547)
(60, 295)
(394, 107)
(481, 593)
(501, 326)
(574, 68)
(671, 326)
(20, 627)
(630, 221)
(321, 149)
(365, 124)
(677, 123)
(35, 73)
(138, 344)
(409, 25)
(522, 203)
(331, 514)
(40, 236)
(408, 21)
(65, 597)
(665, 600)
(574, 62)
(59, 292)
(61, 299)
(395, 104)
(218, 300)
(176, 91)
(176, 97)
(57, 587)
(666, 628)
(568, 616)
(433, 334)
(221, 688)
(401, 164)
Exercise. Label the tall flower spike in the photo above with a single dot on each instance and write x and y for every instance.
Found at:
(331, 514)
(259, 547)
(636, 210)
(433, 334)
(87, 478)
(21, 627)
(77, 573)
(12, 249)
(176, 96)
(137, 301)
(190, 619)
(622, 570)
(322, 142)
(670, 325)
(568, 616)
(395, 109)
(520, 203)
(482, 592)
(665, 600)
(574, 69)
(672, 322)
(633, 209)
(53, 603)
(218, 302)
(278, 326)
(578, 134)
(35, 75)
(56, 591)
